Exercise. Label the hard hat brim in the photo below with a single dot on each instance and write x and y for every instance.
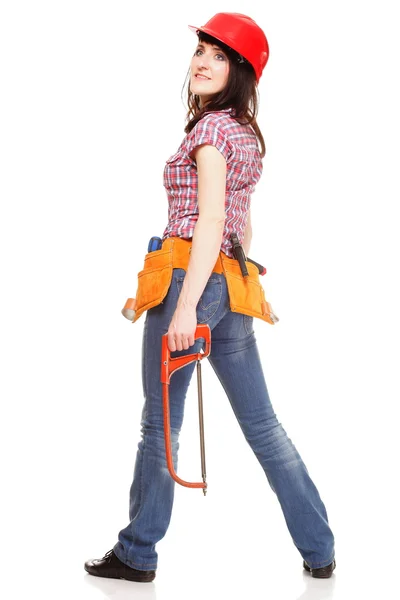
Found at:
(223, 39)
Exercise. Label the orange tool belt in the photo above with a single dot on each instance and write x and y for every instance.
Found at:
(246, 294)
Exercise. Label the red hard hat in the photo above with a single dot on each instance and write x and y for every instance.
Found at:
(240, 33)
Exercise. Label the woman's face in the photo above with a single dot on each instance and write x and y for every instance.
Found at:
(209, 70)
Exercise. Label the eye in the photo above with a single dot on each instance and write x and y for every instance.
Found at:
(221, 55)
(197, 51)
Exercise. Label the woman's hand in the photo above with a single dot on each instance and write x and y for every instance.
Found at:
(182, 328)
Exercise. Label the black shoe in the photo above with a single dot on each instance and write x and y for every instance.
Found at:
(322, 572)
(111, 566)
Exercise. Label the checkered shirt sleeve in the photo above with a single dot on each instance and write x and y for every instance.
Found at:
(210, 130)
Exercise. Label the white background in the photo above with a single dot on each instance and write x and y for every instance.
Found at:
(90, 110)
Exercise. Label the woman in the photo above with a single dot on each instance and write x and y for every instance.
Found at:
(209, 182)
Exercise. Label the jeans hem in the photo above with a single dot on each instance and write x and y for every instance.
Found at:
(320, 565)
(135, 565)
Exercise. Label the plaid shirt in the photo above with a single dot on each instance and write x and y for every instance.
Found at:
(238, 144)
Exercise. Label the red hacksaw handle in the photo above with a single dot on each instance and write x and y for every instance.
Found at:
(168, 366)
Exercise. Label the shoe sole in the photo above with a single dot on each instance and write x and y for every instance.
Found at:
(142, 579)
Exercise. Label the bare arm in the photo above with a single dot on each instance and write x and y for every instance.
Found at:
(206, 244)
(208, 232)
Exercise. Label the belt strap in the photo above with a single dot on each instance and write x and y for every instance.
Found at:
(180, 249)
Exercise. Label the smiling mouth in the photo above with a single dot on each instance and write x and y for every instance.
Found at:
(203, 77)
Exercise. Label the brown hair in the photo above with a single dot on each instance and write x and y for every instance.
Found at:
(240, 92)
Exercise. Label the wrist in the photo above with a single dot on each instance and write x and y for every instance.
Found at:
(185, 303)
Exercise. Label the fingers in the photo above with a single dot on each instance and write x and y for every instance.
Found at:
(179, 342)
(171, 342)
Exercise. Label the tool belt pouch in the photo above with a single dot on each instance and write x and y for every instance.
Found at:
(154, 280)
(246, 294)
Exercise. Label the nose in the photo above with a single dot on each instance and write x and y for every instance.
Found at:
(202, 62)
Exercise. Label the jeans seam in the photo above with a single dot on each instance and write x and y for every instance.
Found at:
(245, 322)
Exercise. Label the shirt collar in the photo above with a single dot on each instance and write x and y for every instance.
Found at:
(230, 109)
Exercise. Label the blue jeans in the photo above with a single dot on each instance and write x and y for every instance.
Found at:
(236, 362)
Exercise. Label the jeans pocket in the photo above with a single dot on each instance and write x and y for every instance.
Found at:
(210, 299)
